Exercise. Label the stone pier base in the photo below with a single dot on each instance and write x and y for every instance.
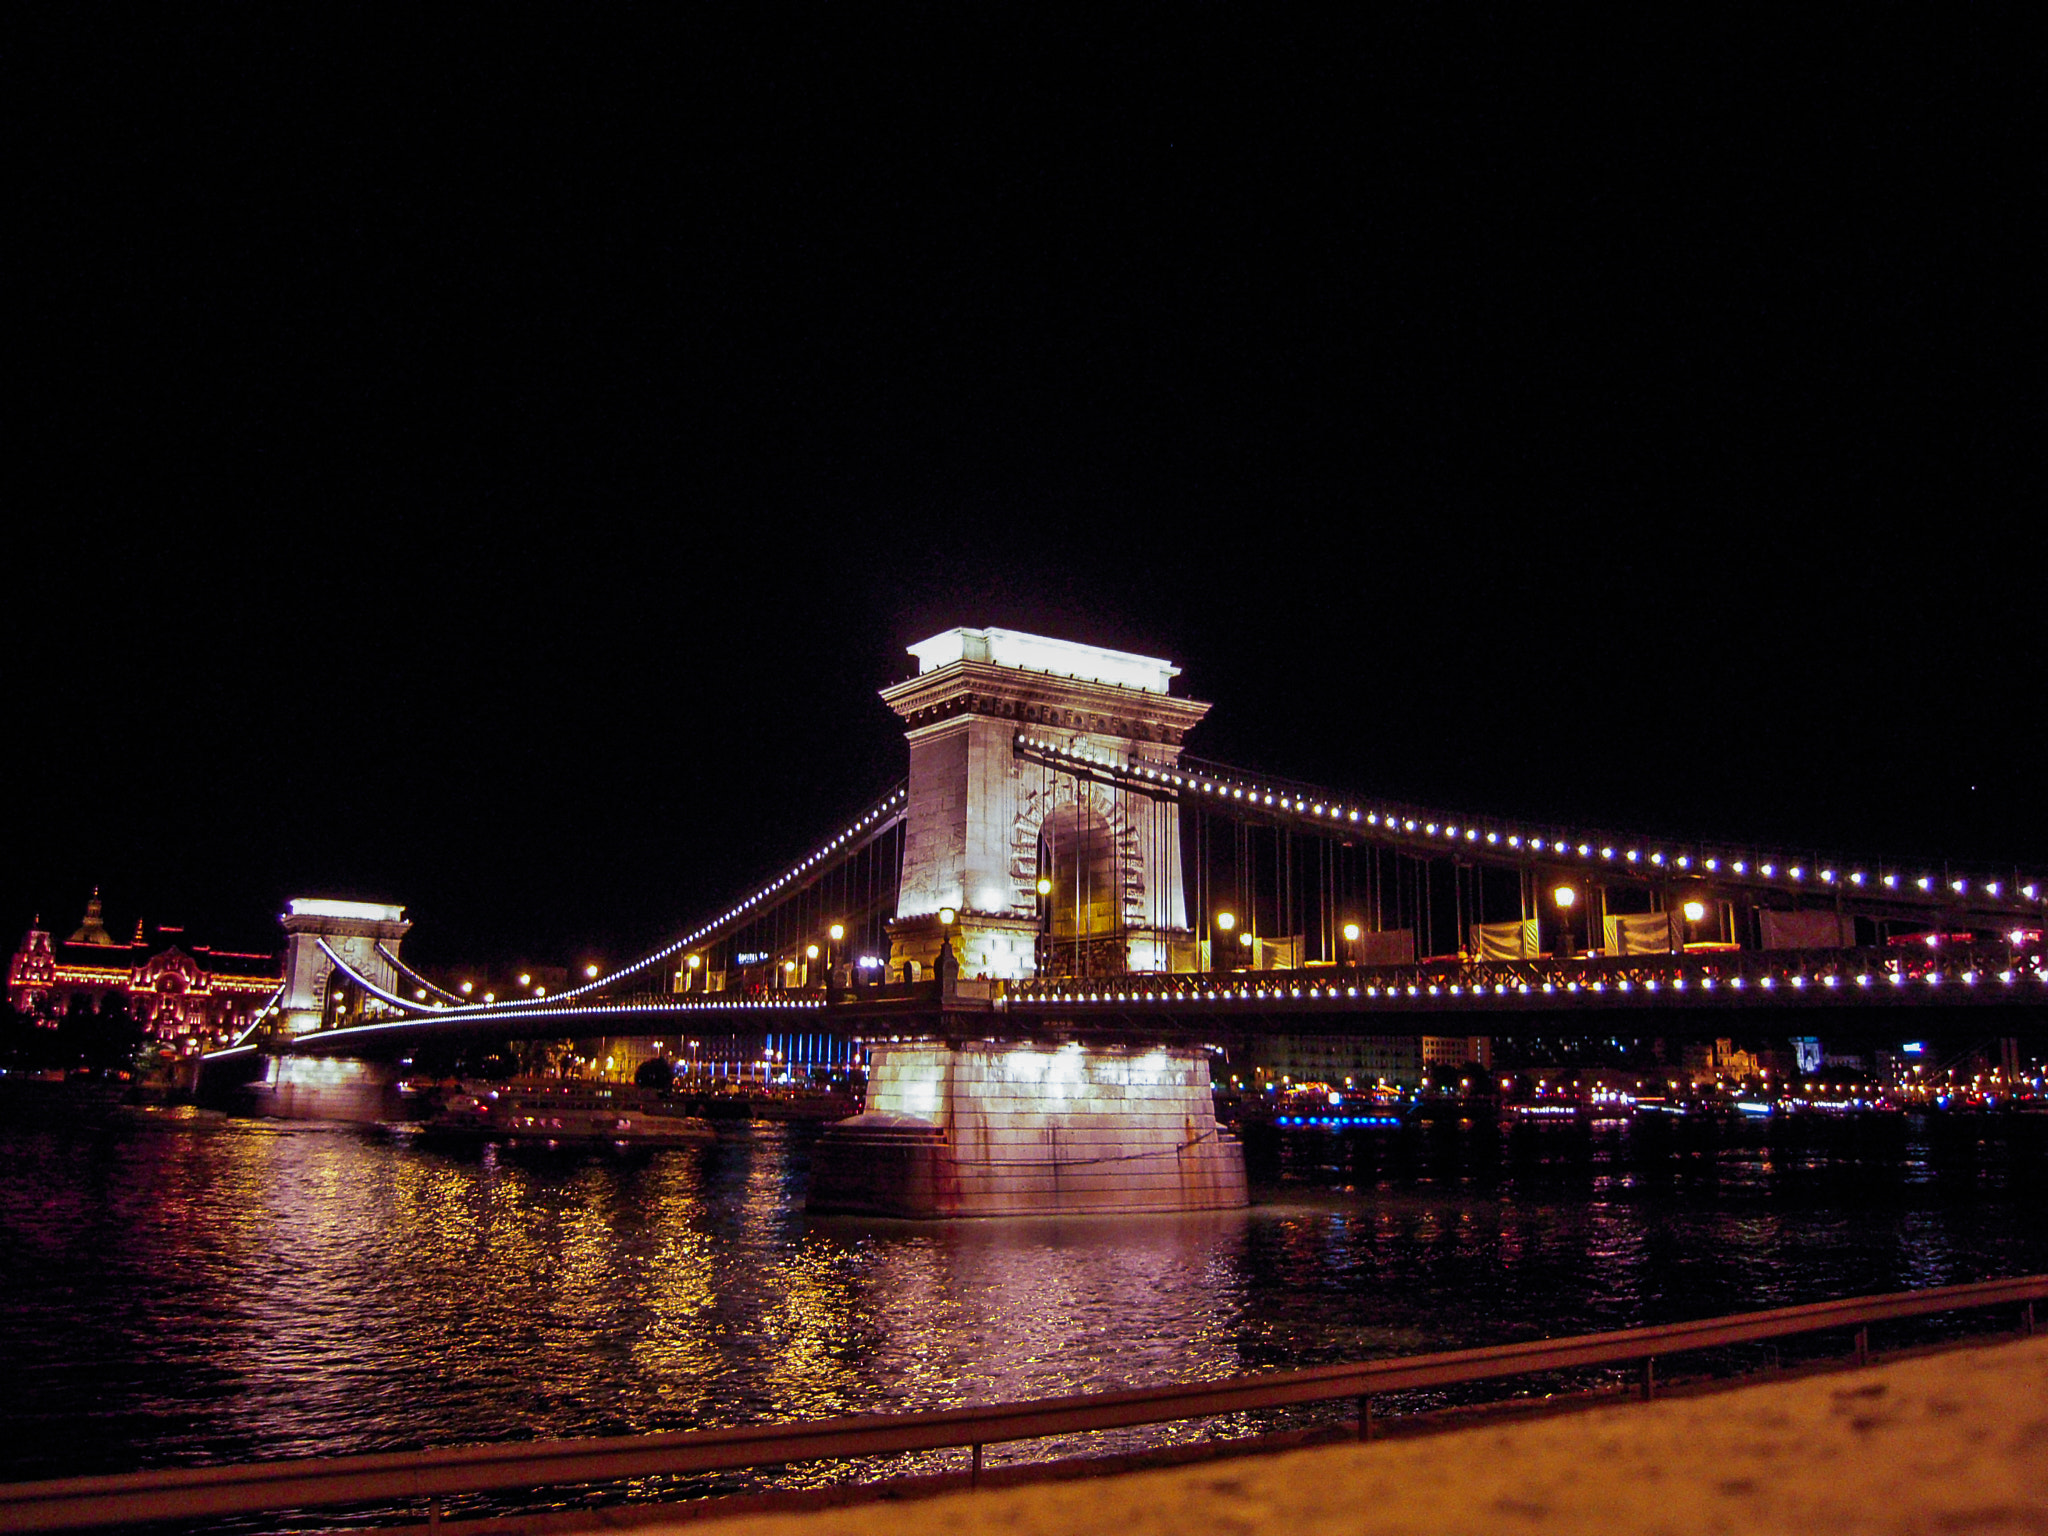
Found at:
(328, 1088)
(1002, 1130)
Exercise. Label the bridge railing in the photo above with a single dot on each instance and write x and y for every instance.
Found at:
(1989, 972)
(201, 1492)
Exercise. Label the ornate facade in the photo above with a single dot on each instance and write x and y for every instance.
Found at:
(188, 995)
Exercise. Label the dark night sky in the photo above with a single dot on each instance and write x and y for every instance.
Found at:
(495, 472)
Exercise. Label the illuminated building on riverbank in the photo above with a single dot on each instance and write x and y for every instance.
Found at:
(187, 994)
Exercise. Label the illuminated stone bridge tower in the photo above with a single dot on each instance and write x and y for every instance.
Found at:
(988, 826)
(366, 934)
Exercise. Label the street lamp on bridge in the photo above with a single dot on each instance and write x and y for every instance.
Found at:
(1566, 898)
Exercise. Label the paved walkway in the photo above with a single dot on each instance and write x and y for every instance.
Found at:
(1954, 1442)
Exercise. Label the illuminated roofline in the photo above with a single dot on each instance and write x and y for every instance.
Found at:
(358, 911)
(1041, 653)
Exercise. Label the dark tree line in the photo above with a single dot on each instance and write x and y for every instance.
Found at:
(81, 1038)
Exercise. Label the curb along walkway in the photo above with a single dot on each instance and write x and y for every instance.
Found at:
(1955, 1441)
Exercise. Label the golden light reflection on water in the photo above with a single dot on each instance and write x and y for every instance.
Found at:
(201, 1289)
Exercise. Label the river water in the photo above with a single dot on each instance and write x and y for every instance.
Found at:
(182, 1287)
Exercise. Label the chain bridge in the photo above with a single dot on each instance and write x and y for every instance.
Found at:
(1056, 871)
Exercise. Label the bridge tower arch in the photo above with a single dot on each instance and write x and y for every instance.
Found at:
(981, 811)
(363, 933)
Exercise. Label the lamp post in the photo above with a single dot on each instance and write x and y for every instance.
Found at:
(946, 964)
(1042, 941)
(1566, 898)
(1352, 934)
(1694, 911)
(1225, 922)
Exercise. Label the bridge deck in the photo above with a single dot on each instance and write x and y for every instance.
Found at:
(1362, 999)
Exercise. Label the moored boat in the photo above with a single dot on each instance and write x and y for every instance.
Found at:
(565, 1114)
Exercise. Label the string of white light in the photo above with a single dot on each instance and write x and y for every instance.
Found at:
(407, 973)
(877, 819)
(1067, 994)
(1782, 872)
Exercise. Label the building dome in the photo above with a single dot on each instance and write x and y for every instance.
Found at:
(94, 929)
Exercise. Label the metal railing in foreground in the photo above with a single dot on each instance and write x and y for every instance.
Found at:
(128, 1498)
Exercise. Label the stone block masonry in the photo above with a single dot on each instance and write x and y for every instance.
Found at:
(1008, 1130)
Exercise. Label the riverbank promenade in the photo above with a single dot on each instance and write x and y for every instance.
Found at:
(1952, 1442)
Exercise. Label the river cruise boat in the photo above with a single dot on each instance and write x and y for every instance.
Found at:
(566, 1114)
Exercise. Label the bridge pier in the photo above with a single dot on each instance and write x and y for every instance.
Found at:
(295, 1087)
(990, 1129)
